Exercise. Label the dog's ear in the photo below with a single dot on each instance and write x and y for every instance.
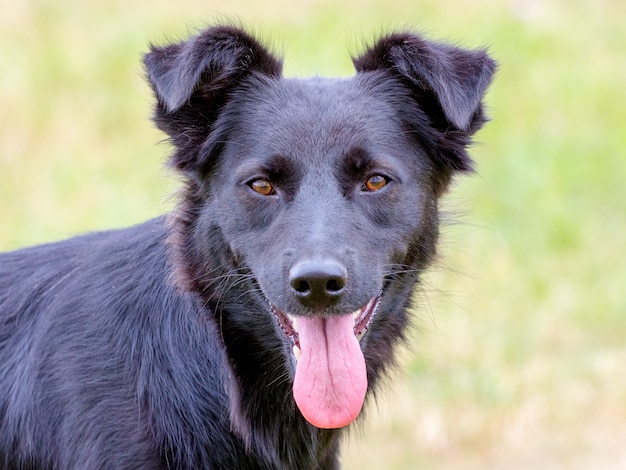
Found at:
(457, 78)
(193, 79)
(448, 84)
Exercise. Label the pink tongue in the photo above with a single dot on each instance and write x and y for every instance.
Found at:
(331, 379)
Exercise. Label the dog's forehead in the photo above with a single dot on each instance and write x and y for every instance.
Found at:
(303, 115)
(350, 102)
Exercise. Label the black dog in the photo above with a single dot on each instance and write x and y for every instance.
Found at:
(245, 328)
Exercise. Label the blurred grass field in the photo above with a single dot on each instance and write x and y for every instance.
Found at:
(518, 360)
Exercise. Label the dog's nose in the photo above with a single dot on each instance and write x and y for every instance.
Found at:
(318, 283)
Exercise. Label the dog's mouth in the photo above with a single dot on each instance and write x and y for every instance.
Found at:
(362, 319)
(331, 377)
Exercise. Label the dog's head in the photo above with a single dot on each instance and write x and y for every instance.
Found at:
(315, 198)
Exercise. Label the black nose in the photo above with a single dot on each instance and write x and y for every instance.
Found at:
(318, 283)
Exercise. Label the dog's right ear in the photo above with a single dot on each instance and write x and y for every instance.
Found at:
(193, 79)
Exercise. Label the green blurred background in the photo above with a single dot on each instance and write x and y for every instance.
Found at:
(518, 360)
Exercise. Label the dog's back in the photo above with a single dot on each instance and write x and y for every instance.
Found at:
(102, 361)
(65, 348)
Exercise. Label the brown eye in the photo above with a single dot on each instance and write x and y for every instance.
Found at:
(262, 187)
(375, 183)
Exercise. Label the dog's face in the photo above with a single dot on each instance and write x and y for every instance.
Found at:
(322, 192)
(322, 185)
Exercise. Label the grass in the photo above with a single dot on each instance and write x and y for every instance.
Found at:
(518, 358)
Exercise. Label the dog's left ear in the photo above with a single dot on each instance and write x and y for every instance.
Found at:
(457, 77)
(448, 84)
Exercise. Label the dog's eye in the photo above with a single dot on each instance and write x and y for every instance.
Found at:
(375, 183)
(262, 187)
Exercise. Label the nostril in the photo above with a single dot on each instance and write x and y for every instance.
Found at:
(301, 286)
(335, 285)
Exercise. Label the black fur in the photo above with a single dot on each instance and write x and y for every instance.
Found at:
(155, 346)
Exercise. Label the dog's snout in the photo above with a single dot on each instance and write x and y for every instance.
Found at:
(318, 283)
